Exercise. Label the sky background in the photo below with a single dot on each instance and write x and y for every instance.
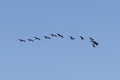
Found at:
(60, 59)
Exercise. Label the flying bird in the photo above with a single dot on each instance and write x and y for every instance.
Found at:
(60, 35)
(30, 40)
(71, 38)
(21, 40)
(93, 45)
(36, 38)
(96, 43)
(46, 37)
(81, 38)
(91, 39)
(53, 35)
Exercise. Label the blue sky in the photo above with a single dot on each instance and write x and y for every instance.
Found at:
(59, 59)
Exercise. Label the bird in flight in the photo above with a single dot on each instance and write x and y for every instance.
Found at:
(91, 39)
(46, 37)
(72, 38)
(21, 40)
(60, 35)
(53, 35)
(81, 38)
(30, 40)
(94, 43)
(36, 38)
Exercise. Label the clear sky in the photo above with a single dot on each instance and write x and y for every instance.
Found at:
(59, 59)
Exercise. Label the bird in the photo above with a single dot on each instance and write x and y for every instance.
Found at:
(46, 37)
(91, 39)
(53, 35)
(36, 38)
(96, 43)
(30, 40)
(93, 45)
(60, 35)
(71, 38)
(81, 38)
(21, 40)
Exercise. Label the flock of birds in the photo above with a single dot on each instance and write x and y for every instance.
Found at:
(94, 43)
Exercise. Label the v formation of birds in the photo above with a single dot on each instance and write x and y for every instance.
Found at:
(94, 43)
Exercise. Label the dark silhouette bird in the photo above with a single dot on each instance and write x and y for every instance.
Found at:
(81, 38)
(96, 43)
(72, 38)
(36, 38)
(21, 40)
(60, 35)
(46, 37)
(53, 35)
(30, 40)
(93, 45)
(91, 39)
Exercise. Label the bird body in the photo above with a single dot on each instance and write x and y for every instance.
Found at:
(81, 38)
(94, 43)
(21, 40)
(60, 35)
(91, 39)
(46, 37)
(37, 38)
(30, 40)
(71, 38)
(53, 35)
